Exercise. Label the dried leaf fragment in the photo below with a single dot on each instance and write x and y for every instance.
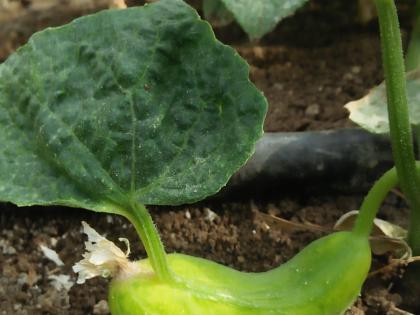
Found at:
(51, 255)
(61, 282)
(380, 227)
(386, 237)
(371, 113)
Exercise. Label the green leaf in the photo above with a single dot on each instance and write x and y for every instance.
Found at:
(370, 112)
(216, 13)
(142, 104)
(258, 17)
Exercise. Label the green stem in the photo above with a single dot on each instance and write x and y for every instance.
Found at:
(149, 236)
(412, 59)
(400, 129)
(374, 199)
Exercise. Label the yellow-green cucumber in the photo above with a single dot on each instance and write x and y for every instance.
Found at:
(323, 279)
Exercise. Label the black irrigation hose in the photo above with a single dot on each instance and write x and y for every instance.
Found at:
(346, 160)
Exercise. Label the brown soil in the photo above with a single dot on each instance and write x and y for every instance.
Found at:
(308, 68)
(231, 235)
(306, 86)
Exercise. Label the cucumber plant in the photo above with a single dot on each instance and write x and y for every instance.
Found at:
(127, 108)
(163, 115)
(401, 94)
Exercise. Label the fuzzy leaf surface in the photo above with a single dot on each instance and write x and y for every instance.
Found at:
(139, 104)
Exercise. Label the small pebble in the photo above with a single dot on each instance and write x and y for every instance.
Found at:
(210, 215)
(278, 86)
(259, 52)
(356, 69)
(312, 110)
(101, 308)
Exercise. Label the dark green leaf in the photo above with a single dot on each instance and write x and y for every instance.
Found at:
(139, 104)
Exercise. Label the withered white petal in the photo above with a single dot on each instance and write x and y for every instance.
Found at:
(102, 257)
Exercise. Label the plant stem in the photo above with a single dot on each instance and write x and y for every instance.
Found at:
(149, 236)
(373, 201)
(400, 129)
(412, 58)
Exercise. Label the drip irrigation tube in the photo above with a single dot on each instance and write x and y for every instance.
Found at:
(344, 160)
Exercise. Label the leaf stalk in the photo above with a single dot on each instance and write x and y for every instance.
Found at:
(149, 235)
(374, 199)
(400, 129)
